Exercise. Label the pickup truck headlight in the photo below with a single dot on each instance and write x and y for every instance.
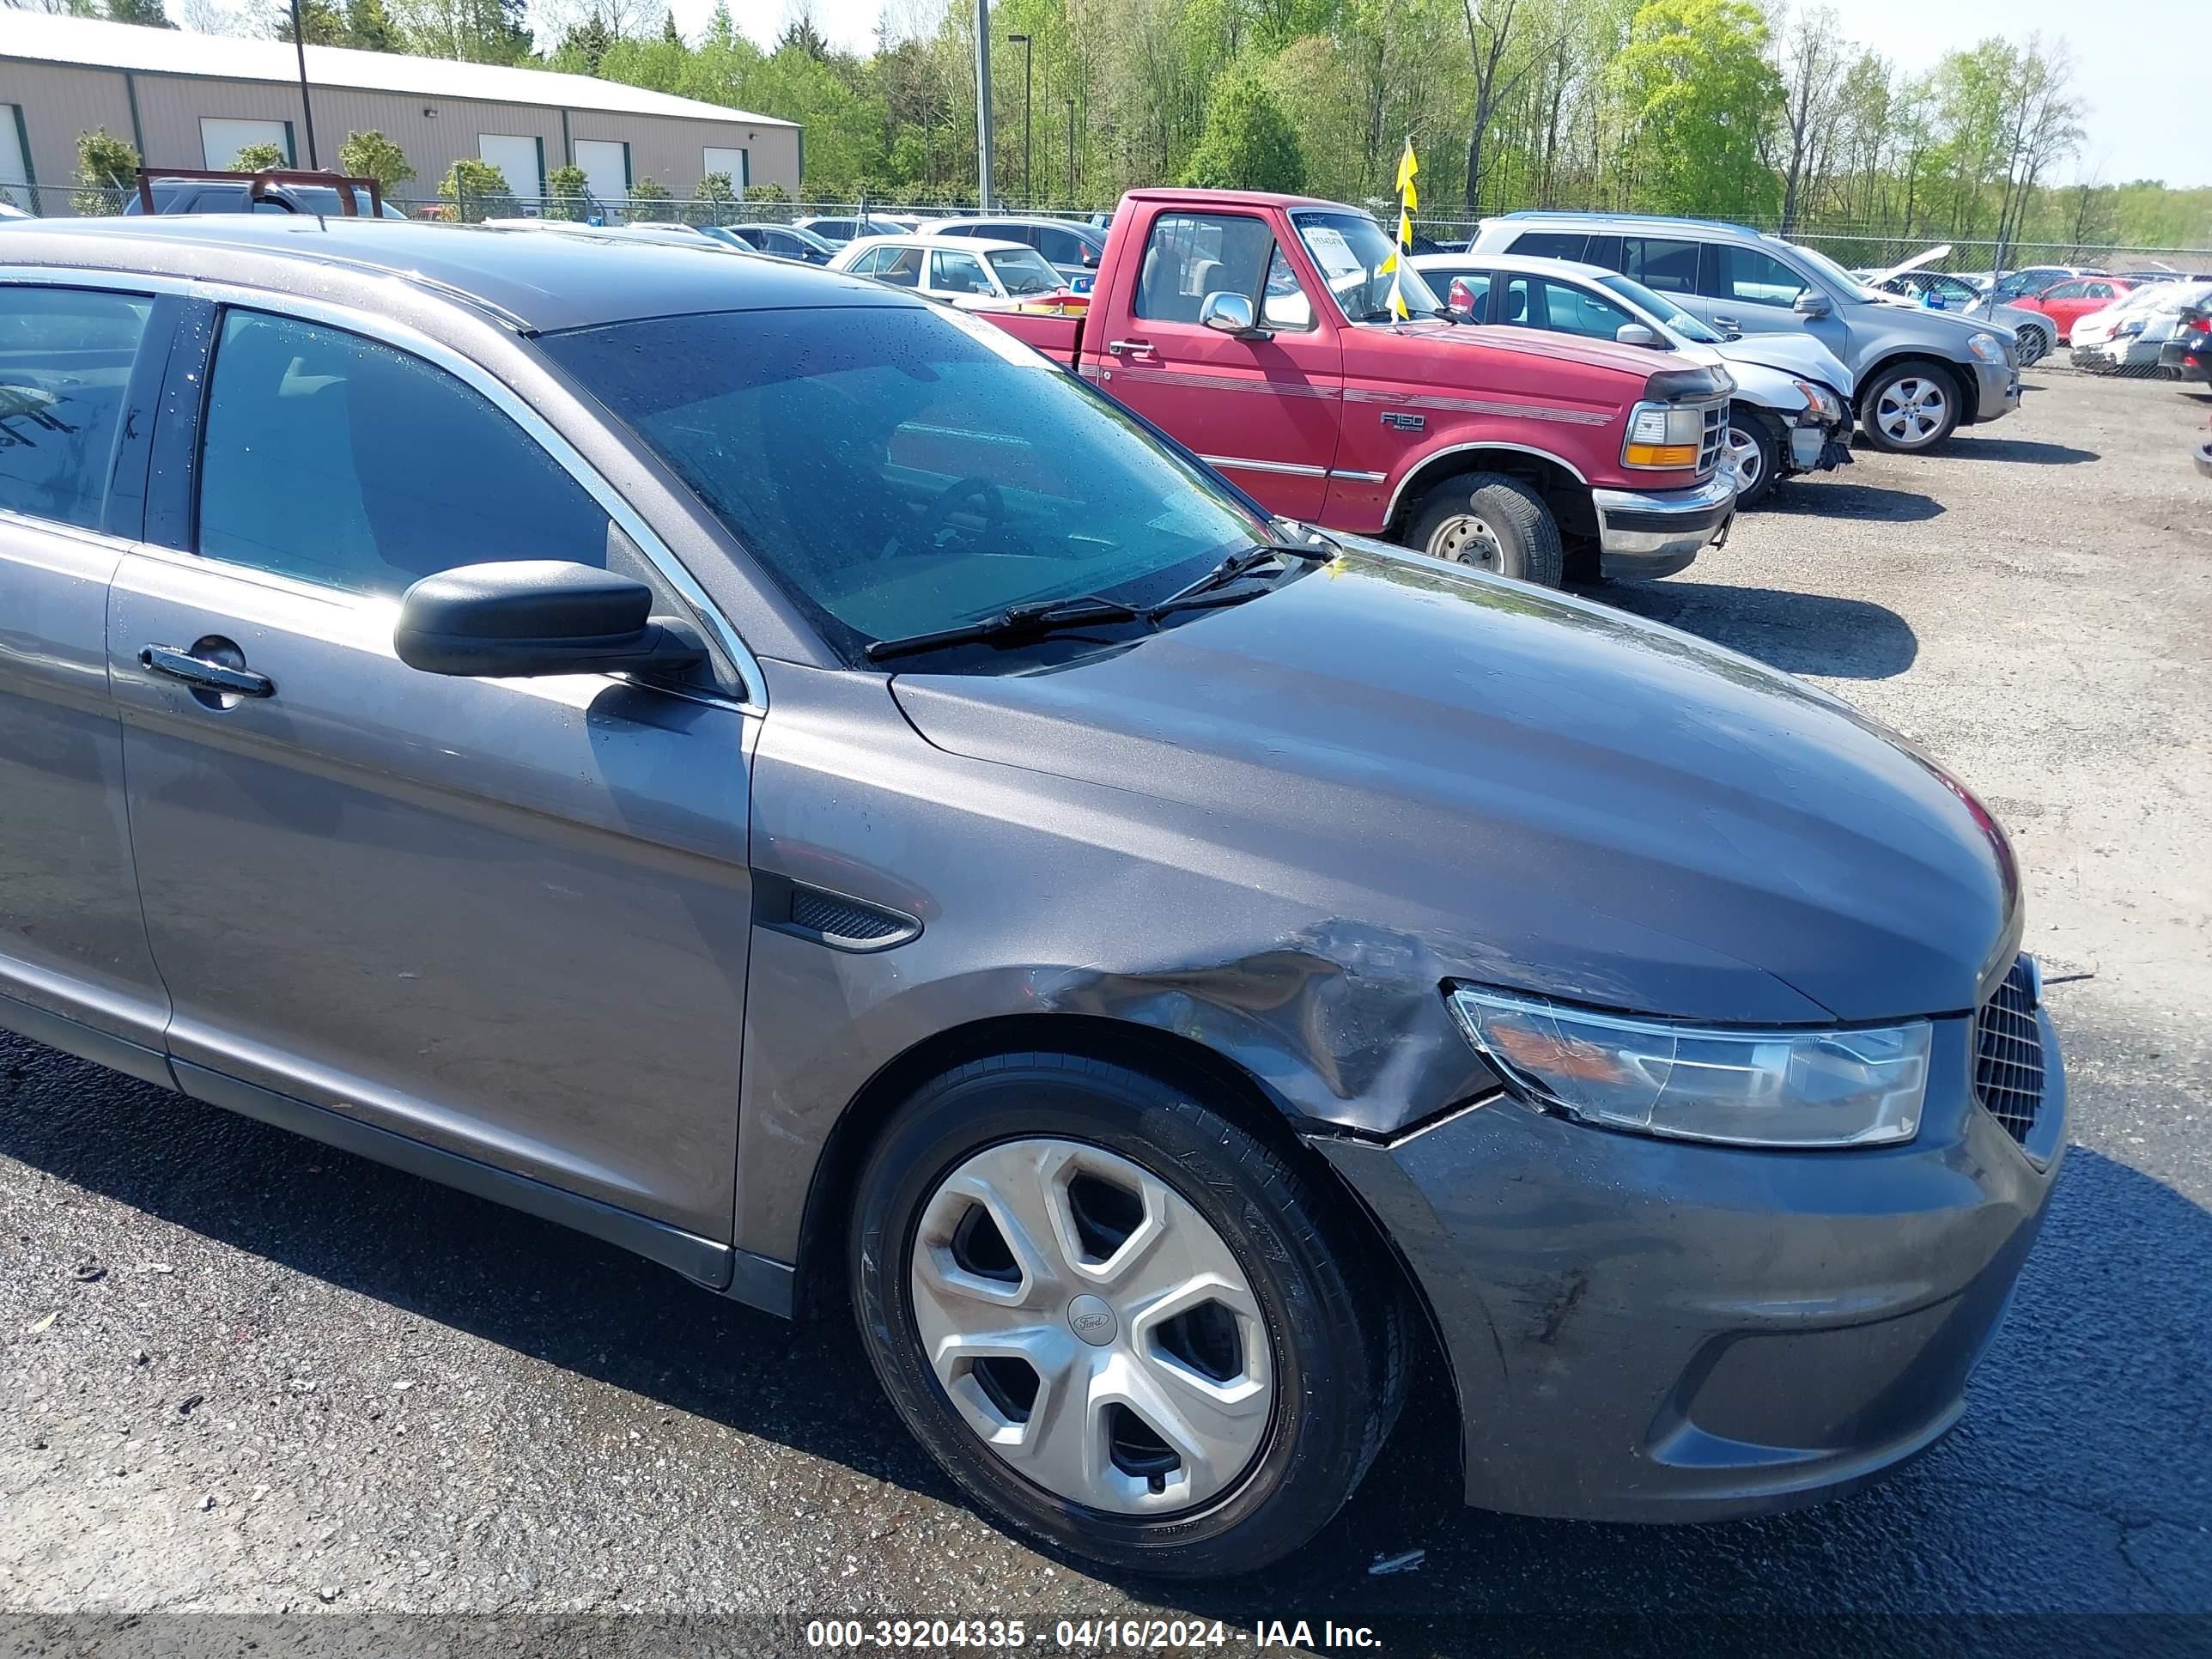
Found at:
(1740, 1086)
(1823, 407)
(1663, 436)
(1987, 347)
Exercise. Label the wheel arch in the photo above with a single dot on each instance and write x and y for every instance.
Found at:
(1964, 378)
(1562, 485)
(1240, 1096)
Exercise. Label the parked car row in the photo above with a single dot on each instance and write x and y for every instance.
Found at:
(777, 775)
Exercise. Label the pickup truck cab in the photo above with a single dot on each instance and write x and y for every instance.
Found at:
(1257, 330)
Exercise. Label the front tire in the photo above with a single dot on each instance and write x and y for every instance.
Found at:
(1491, 522)
(1753, 445)
(1124, 1326)
(1910, 408)
(2033, 344)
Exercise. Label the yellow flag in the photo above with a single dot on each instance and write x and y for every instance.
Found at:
(1408, 200)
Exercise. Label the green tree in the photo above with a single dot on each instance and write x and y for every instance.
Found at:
(477, 190)
(670, 34)
(770, 191)
(255, 158)
(105, 167)
(320, 20)
(1700, 96)
(584, 47)
(648, 199)
(369, 27)
(370, 155)
(149, 13)
(566, 193)
(1249, 143)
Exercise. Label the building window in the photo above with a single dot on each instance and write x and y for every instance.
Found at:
(222, 140)
(738, 163)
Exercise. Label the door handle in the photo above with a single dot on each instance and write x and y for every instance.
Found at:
(1130, 348)
(180, 664)
(1726, 322)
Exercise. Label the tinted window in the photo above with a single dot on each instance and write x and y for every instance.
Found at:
(1191, 255)
(1753, 278)
(1661, 265)
(336, 459)
(1060, 247)
(1549, 244)
(951, 271)
(1563, 308)
(65, 358)
(899, 469)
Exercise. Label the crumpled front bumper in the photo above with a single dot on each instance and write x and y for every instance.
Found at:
(1819, 448)
(1652, 1330)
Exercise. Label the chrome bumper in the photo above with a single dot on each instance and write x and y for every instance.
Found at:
(1644, 534)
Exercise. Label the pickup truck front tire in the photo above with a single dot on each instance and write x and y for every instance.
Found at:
(1492, 523)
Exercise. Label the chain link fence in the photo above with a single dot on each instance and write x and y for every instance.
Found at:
(1856, 248)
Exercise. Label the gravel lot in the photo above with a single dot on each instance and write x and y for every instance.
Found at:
(246, 1376)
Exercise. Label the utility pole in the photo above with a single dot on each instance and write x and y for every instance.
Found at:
(1029, 196)
(307, 109)
(982, 104)
(1073, 199)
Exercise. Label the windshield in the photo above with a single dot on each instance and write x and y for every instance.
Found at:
(899, 469)
(1842, 280)
(1352, 253)
(1022, 270)
(1662, 308)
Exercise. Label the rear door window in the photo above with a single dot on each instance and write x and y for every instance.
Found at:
(900, 267)
(1551, 244)
(65, 360)
(1660, 263)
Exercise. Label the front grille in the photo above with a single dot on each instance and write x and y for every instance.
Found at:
(1709, 450)
(2008, 1053)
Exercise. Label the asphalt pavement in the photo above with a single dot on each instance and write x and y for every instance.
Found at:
(259, 1395)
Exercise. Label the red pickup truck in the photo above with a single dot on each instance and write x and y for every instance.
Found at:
(1257, 330)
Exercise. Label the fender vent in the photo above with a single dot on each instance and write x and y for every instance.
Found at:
(836, 919)
(2008, 1053)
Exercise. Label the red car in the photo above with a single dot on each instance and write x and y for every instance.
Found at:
(2066, 303)
(1259, 331)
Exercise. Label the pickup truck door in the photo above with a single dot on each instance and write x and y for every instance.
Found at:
(1264, 409)
(506, 917)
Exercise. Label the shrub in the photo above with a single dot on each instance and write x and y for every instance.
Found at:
(105, 167)
(477, 190)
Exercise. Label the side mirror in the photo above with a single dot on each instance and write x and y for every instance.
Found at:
(1635, 334)
(519, 619)
(1228, 313)
(1812, 303)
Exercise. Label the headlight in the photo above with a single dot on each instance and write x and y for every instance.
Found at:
(1822, 403)
(1987, 347)
(1663, 436)
(1740, 1086)
(2124, 329)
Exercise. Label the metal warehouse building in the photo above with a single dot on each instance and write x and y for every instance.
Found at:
(195, 100)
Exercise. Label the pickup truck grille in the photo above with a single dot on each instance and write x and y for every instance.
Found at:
(1708, 449)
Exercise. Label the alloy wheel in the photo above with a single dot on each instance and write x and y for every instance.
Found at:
(1465, 539)
(1911, 410)
(2033, 344)
(1092, 1327)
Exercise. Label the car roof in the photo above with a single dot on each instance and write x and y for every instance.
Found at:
(1533, 265)
(1043, 220)
(915, 239)
(1201, 198)
(1569, 219)
(535, 281)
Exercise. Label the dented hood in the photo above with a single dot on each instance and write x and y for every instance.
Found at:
(1544, 793)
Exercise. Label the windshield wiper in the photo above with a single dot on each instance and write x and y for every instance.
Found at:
(1039, 617)
(1243, 562)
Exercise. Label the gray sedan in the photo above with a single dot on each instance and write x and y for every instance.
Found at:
(775, 775)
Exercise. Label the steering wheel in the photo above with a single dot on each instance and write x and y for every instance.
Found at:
(990, 509)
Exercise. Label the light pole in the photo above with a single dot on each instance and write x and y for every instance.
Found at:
(983, 105)
(1029, 197)
(307, 109)
(1073, 200)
